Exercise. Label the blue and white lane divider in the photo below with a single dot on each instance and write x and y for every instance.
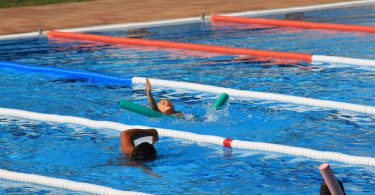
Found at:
(62, 183)
(197, 87)
(227, 142)
(66, 71)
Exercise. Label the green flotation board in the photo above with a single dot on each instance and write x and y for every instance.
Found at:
(140, 109)
(220, 101)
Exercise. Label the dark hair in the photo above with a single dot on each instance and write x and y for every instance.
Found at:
(325, 191)
(144, 152)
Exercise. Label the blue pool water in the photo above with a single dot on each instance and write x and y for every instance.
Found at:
(91, 155)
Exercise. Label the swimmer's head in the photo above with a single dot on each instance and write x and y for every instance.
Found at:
(144, 152)
(166, 107)
(324, 190)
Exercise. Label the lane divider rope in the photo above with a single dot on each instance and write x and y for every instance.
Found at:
(227, 142)
(65, 71)
(181, 45)
(259, 95)
(209, 48)
(293, 23)
(196, 87)
(317, 59)
(62, 183)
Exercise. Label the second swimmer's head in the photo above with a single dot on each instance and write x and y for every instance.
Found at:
(144, 152)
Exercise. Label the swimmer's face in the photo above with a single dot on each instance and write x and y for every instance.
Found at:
(165, 106)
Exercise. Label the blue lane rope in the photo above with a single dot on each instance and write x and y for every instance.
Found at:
(65, 71)
(199, 87)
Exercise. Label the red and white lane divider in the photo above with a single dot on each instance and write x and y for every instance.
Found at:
(227, 142)
(293, 23)
(213, 48)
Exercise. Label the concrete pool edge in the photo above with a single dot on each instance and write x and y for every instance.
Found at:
(125, 26)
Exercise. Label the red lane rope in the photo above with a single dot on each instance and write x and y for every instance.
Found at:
(294, 23)
(180, 45)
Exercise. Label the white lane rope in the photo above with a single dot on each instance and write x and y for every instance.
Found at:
(62, 183)
(259, 95)
(317, 59)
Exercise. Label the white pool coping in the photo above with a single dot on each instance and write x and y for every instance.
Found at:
(134, 25)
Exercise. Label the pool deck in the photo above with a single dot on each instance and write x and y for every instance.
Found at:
(100, 12)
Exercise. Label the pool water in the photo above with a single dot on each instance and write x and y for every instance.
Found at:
(90, 155)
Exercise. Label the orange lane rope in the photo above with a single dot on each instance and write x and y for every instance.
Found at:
(294, 23)
(180, 45)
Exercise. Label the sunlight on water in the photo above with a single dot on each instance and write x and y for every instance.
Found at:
(92, 155)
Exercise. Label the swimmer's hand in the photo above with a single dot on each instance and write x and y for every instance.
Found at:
(153, 174)
(191, 117)
(145, 168)
(150, 99)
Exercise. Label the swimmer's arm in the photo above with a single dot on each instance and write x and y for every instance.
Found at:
(149, 171)
(150, 98)
(149, 132)
(127, 138)
(178, 114)
(144, 168)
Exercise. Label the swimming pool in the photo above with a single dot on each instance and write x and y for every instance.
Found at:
(89, 155)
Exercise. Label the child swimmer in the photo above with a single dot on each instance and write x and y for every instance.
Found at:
(164, 106)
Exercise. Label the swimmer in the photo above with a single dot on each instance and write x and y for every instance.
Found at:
(325, 191)
(164, 105)
(138, 144)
